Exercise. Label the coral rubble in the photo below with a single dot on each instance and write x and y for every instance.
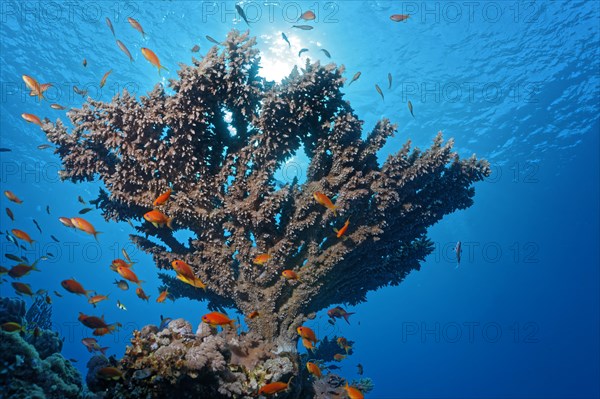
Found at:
(217, 140)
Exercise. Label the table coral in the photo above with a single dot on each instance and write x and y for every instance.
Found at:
(217, 140)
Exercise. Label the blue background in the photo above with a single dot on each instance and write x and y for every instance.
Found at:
(514, 82)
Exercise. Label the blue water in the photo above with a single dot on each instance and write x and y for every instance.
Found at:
(514, 82)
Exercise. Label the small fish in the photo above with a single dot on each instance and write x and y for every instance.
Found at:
(43, 146)
(390, 80)
(253, 315)
(343, 344)
(11, 239)
(303, 27)
(458, 252)
(326, 53)
(50, 254)
(66, 221)
(110, 25)
(410, 108)
(54, 238)
(85, 210)
(307, 333)
(10, 214)
(122, 284)
(355, 78)
(399, 17)
(129, 275)
(340, 232)
(290, 275)
(195, 49)
(75, 287)
(339, 312)
(92, 345)
(308, 345)
(21, 235)
(120, 305)
(307, 16)
(164, 322)
(81, 200)
(37, 225)
(58, 294)
(12, 327)
(136, 25)
(304, 50)
(85, 226)
(97, 298)
(79, 91)
(288, 42)
(126, 255)
(338, 357)
(183, 269)
(12, 197)
(273, 388)
(109, 373)
(31, 118)
(124, 49)
(162, 198)
(33, 85)
(333, 367)
(163, 295)
(3, 270)
(129, 221)
(353, 393)
(210, 39)
(379, 91)
(242, 14)
(195, 282)
(158, 219)
(261, 259)
(313, 369)
(48, 209)
(331, 322)
(325, 201)
(57, 107)
(84, 63)
(5, 149)
(359, 370)
(22, 289)
(21, 270)
(103, 80)
(217, 319)
(48, 299)
(153, 59)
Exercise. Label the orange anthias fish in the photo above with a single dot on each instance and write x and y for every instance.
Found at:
(314, 369)
(161, 199)
(325, 201)
(31, 118)
(308, 345)
(261, 259)
(103, 81)
(307, 16)
(141, 294)
(217, 319)
(22, 289)
(109, 373)
(66, 221)
(343, 343)
(158, 219)
(21, 270)
(119, 262)
(36, 88)
(12, 197)
(152, 58)
(274, 387)
(124, 49)
(183, 269)
(163, 295)
(353, 393)
(85, 226)
(21, 235)
(128, 274)
(92, 345)
(308, 333)
(136, 25)
(338, 357)
(399, 17)
(75, 287)
(97, 298)
(195, 282)
(290, 275)
(339, 312)
(340, 232)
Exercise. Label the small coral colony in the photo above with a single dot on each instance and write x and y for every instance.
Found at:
(277, 256)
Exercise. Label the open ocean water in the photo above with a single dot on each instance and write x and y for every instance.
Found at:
(515, 82)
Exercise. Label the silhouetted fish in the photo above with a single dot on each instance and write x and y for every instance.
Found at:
(287, 41)
(390, 80)
(240, 11)
(195, 49)
(5, 149)
(303, 27)
(43, 146)
(210, 39)
(48, 209)
(13, 257)
(54, 238)
(37, 225)
(302, 51)
(379, 91)
(85, 210)
(326, 53)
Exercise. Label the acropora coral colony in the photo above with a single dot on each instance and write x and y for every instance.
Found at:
(217, 142)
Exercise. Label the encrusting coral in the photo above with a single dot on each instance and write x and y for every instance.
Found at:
(217, 141)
